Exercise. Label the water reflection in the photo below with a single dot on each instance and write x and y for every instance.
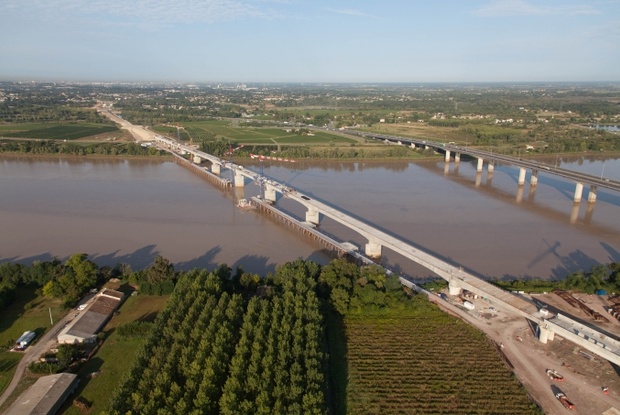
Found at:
(121, 211)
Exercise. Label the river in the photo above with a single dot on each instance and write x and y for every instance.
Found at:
(128, 211)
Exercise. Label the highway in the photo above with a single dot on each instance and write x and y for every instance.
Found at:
(583, 178)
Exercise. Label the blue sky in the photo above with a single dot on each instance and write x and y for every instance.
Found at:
(311, 40)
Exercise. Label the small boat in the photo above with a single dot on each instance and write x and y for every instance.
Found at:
(245, 204)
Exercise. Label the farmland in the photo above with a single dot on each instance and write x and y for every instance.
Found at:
(240, 134)
(54, 132)
(426, 362)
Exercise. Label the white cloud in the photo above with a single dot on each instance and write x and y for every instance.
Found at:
(350, 12)
(505, 8)
(148, 11)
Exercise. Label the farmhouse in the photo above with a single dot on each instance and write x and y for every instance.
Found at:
(46, 396)
(86, 326)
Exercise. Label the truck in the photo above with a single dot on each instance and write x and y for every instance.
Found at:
(469, 305)
(555, 375)
(560, 396)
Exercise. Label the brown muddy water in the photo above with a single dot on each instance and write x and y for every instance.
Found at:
(120, 211)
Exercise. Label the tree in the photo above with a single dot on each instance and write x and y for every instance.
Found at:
(160, 271)
(84, 271)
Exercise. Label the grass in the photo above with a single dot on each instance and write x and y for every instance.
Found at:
(116, 355)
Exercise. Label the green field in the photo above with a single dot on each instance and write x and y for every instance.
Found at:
(54, 132)
(426, 362)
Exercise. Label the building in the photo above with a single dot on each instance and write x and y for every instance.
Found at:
(46, 396)
(85, 327)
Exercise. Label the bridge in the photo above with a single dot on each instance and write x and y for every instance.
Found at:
(458, 279)
(492, 159)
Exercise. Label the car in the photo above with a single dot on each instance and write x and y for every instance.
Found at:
(81, 307)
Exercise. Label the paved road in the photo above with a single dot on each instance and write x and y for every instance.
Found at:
(33, 353)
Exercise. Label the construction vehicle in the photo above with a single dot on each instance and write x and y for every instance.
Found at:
(560, 396)
(555, 375)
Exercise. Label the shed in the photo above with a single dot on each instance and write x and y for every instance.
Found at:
(45, 396)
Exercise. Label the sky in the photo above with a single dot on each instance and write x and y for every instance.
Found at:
(366, 41)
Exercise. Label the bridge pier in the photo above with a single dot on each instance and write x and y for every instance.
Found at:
(270, 193)
(521, 180)
(457, 157)
(426, 147)
(453, 287)
(447, 158)
(412, 145)
(373, 250)
(480, 163)
(545, 334)
(491, 167)
(592, 193)
(197, 160)
(312, 215)
(578, 192)
(534, 178)
(400, 143)
(215, 168)
(239, 179)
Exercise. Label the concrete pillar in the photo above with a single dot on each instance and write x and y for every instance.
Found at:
(239, 179)
(447, 156)
(457, 157)
(521, 180)
(453, 287)
(551, 335)
(412, 145)
(534, 178)
(491, 167)
(312, 215)
(197, 160)
(400, 143)
(479, 167)
(578, 192)
(373, 249)
(215, 168)
(270, 193)
(592, 193)
(426, 147)
(543, 334)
